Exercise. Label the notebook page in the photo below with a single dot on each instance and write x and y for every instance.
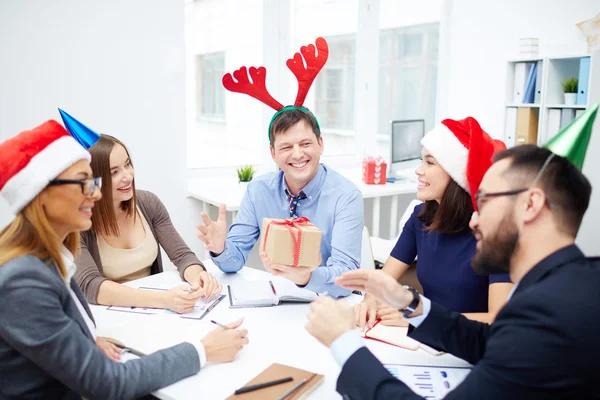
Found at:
(253, 293)
(289, 291)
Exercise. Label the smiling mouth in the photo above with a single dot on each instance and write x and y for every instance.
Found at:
(124, 189)
(298, 165)
(423, 184)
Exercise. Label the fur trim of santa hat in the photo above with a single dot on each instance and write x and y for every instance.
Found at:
(30, 160)
(464, 150)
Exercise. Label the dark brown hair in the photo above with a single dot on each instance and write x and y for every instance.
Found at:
(290, 118)
(567, 190)
(452, 214)
(104, 220)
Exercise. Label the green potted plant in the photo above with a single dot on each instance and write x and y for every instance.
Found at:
(570, 88)
(245, 174)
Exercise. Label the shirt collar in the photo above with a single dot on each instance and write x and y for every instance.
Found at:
(68, 262)
(563, 256)
(512, 291)
(313, 187)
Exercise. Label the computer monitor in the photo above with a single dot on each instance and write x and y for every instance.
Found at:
(406, 144)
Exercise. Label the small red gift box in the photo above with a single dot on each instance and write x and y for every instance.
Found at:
(374, 171)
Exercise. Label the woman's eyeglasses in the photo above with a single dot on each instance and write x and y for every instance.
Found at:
(88, 185)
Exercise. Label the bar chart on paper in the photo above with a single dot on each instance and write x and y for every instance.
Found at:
(432, 383)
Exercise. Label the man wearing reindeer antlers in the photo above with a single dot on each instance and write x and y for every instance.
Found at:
(302, 188)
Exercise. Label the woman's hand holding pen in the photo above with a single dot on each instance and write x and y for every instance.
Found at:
(181, 299)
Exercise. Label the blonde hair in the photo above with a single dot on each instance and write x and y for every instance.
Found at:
(30, 233)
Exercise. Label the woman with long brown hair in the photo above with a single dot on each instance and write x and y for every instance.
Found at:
(47, 332)
(455, 156)
(129, 227)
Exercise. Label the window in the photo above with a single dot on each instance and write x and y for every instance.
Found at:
(334, 86)
(224, 129)
(210, 95)
(408, 74)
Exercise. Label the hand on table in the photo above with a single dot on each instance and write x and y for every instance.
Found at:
(214, 233)
(378, 285)
(391, 317)
(222, 345)
(299, 275)
(329, 319)
(208, 285)
(365, 313)
(180, 300)
(110, 350)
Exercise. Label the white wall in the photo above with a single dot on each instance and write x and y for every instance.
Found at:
(478, 37)
(118, 66)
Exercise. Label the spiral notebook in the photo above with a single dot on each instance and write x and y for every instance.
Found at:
(278, 371)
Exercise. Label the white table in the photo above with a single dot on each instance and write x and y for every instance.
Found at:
(211, 191)
(276, 334)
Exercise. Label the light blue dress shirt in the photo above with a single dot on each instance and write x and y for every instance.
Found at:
(333, 204)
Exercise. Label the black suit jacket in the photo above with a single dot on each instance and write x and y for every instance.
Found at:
(544, 344)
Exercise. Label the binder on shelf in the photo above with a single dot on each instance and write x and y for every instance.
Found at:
(521, 73)
(567, 115)
(529, 95)
(538, 83)
(553, 124)
(510, 129)
(584, 78)
(527, 125)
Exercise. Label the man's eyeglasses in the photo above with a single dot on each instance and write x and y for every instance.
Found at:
(480, 196)
(88, 185)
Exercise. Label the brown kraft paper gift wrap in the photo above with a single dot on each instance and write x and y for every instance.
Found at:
(295, 242)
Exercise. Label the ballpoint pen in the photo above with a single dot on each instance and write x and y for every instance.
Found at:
(219, 324)
(292, 390)
(251, 388)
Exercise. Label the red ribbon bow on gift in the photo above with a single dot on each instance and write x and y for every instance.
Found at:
(293, 226)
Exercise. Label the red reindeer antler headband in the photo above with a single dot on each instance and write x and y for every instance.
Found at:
(314, 58)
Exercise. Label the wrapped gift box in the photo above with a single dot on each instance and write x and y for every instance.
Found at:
(374, 171)
(291, 242)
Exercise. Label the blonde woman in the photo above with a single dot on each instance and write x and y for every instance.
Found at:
(47, 332)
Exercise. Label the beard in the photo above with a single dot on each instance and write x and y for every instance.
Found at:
(496, 252)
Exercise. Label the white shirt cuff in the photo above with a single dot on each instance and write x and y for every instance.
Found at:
(201, 352)
(416, 321)
(343, 347)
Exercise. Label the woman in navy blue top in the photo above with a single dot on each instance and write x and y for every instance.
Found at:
(455, 156)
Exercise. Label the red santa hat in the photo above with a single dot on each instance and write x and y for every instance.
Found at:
(30, 160)
(464, 150)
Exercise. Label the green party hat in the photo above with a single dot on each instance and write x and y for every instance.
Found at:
(572, 141)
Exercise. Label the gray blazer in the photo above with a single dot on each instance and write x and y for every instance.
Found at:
(47, 352)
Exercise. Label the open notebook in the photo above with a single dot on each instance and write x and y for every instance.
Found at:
(267, 293)
(397, 336)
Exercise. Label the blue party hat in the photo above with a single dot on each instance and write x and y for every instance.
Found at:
(84, 135)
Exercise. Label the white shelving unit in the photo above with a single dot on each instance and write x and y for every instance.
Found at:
(549, 97)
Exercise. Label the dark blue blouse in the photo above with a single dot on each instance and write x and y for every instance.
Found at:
(444, 266)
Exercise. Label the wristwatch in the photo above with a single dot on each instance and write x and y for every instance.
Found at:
(409, 309)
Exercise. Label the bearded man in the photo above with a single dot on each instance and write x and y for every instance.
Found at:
(544, 343)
